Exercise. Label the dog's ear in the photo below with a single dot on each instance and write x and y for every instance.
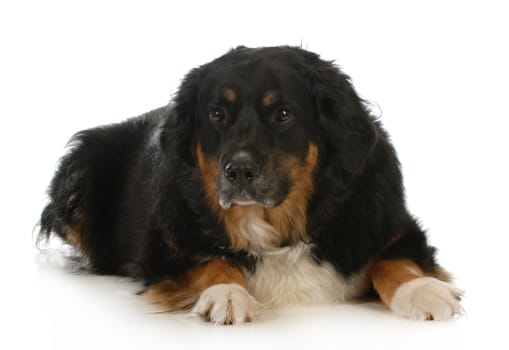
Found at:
(349, 131)
(177, 137)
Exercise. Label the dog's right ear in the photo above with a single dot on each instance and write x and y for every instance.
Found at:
(177, 137)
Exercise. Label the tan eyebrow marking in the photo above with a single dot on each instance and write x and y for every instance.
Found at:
(230, 95)
(269, 98)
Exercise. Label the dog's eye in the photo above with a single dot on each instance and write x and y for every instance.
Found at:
(217, 115)
(283, 115)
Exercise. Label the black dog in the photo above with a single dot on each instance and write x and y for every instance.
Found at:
(266, 182)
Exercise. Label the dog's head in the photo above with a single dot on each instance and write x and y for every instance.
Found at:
(259, 123)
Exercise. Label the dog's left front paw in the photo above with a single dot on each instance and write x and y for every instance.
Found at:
(427, 298)
(227, 304)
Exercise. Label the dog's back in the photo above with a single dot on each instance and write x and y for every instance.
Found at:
(98, 192)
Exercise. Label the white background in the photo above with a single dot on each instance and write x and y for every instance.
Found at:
(438, 71)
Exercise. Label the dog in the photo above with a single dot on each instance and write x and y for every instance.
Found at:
(266, 182)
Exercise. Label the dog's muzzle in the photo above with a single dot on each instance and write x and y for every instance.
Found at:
(241, 182)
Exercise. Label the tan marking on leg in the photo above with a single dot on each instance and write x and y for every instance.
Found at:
(388, 275)
(182, 294)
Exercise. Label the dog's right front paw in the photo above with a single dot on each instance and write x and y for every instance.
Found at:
(227, 304)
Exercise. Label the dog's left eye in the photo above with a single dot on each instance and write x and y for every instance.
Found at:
(283, 115)
(217, 115)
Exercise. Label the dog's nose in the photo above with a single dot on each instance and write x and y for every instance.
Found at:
(241, 169)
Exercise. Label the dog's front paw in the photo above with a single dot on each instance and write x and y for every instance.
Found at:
(227, 304)
(427, 298)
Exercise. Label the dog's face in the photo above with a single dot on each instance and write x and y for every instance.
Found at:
(255, 119)
(268, 129)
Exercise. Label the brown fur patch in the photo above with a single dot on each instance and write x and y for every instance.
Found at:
(233, 219)
(288, 219)
(269, 98)
(72, 236)
(208, 170)
(230, 95)
(182, 294)
(388, 275)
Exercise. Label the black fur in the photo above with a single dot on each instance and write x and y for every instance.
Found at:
(131, 188)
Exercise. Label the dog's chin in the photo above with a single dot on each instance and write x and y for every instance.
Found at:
(228, 202)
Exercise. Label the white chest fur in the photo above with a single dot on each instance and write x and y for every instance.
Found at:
(290, 276)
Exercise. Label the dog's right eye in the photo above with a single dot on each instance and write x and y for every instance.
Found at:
(217, 115)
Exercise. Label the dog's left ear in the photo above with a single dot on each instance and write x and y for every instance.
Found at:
(177, 135)
(350, 131)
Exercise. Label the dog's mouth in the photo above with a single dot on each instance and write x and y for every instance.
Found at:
(244, 198)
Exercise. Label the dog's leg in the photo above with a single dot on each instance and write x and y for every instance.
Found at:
(215, 290)
(409, 292)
